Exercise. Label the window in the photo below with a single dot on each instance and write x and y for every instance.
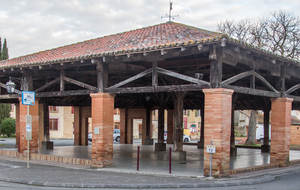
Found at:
(199, 113)
(184, 112)
(53, 124)
(188, 113)
(53, 108)
(12, 107)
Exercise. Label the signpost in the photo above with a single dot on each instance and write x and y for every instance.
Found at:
(28, 98)
(210, 149)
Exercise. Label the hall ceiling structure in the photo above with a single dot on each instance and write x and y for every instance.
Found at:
(164, 58)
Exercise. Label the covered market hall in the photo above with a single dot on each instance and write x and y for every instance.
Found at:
(168, 66)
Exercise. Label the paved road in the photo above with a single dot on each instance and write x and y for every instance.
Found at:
(287, 181)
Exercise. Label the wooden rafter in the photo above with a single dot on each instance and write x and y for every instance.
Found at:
(148, 71)
(47, 85)
(292, 89)
(149, 89)
(246, 74)
(180, 76)
(78, 83)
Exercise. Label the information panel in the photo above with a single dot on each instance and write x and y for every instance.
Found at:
(28, 98)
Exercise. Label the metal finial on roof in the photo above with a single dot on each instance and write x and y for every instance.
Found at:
(170, 13)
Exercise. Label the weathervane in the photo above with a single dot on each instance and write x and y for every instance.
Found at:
(170, 14)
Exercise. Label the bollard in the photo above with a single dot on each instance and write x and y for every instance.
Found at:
(138, 159)
(170, 158)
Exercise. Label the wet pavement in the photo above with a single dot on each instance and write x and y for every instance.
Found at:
(151, 161)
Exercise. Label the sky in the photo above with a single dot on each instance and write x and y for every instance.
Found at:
(31, 26)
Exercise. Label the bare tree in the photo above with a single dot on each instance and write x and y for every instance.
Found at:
(280, 33)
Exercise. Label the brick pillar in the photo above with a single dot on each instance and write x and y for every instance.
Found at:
(77, 122)
(17, 125)
(123, 119)
(280, 131)
(102, 121)
(170, 126)
(33, 144)
(217, 128)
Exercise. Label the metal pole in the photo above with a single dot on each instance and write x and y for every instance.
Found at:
(138, 158)
(170, 159)
(210, 161)
(27, 142)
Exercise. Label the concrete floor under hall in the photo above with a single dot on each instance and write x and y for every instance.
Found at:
(125, 157)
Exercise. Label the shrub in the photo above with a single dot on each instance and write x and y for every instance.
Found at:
(8, 126)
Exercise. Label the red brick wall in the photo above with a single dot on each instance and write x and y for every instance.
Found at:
(295, 134)
(280, 131)
(217, 128)
(103, 118)
(34, 112)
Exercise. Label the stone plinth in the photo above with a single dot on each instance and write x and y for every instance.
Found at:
(160, 146)
(148, 142)
(47, 145)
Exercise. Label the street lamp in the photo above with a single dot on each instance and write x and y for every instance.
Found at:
(10, 86)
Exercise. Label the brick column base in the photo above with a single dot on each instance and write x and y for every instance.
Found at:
(102, 128)
(33, 144)
(217, 119)
(280, 131)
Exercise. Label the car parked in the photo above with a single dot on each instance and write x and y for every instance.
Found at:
(116, 135)
(185, 137)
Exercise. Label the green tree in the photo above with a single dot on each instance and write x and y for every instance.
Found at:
(8, 126)
(4, 53)
(4, 111)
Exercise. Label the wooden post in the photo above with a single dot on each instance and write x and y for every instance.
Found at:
(201, 142)
(28, 83)
(178, 121)
(170, 126)
(102, 76)
(62, 82)
(215, 67)
(161, 122)
(46, 121)
(266, 146)
(233, 149)
(154, 74)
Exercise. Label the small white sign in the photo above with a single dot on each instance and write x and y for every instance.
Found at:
(28, 98)
(28, 127)
(211, 149)
(96, 131)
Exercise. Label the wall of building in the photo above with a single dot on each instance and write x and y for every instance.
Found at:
(295, 134)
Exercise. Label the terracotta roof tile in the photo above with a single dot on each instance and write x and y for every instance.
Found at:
(157, 36)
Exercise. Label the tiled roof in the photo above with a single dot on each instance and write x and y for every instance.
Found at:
(163, 35)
